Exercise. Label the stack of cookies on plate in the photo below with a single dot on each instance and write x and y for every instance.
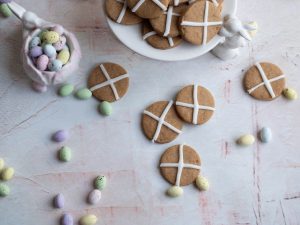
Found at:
(165, 23)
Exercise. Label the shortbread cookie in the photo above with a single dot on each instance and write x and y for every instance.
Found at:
(161, 123)
(180, 165)
(157, 41)
(118, 11)
(148, 9)
(217, 3)
(200, 23)
(167, 24)
(195, 104)
(108, 82)
(264, 81)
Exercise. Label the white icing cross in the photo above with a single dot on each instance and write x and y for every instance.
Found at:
(180, 165)
(266, 82)
(123, 11)
(151, 33)
(141, 2)
(169, 14)
(195, 106)
(205, 24)
(109, 81)
(161, 121)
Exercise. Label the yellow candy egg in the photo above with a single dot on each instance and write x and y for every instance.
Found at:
(290, 94)
(88, 220)
(64, 56)
(7, 173)
(175, 191)
(202, 183)
(50, 37)
(254, 25)
(246, 140)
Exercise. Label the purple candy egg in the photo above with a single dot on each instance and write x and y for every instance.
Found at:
(67, 219)
(42, 62)
(60, 136)
(5, 1)
(60, 44)
(58, 29)
(36, 51)
(59, 201)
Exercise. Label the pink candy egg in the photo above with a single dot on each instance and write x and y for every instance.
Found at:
(42, 62)
(60, 44)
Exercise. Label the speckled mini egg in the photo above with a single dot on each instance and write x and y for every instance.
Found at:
(64, 56)
(42, 62)
(60, 44)
(49, 50)
(34, 42)
(55, 65)
(35, 52)
(51, 37)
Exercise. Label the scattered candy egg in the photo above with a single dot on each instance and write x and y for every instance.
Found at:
(4, 190)
(65, 154)
(105, 108)
(175, 191)
(42, 62)
(39, 87)
(64, 56)
(51, 37)
(83, 93)
(7, 173)
(94, 197)
(100, 182)
(5, 10)
(55, 65)
(60, 136)
(36, 52)
(49, 50)
(58, 29)
(2, 164)
(59, 201)
(290, 94)
(265, 135)
(202, 183)
(36, 41)
(254, 25)
(67, 219)
(60, 45)
(66, 90)
(88, 220)
(246, 140)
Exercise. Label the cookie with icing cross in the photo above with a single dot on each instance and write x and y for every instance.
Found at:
(148, 9)
(118, 11)
(157, 41)
(195, 104)
(264, 81)
(160, 122)
(108, 82)
(200, 23)
(177, 2)
(167, 24)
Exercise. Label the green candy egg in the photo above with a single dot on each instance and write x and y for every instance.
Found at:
(100, 182)
(83, 94)
(5, 10)
(4, 190)
(65, 154)
(105, 108)
(66, 90)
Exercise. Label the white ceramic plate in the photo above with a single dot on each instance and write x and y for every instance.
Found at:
(131, 37)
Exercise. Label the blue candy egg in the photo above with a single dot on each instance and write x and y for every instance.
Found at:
(49, 50)
(265, 135)
(34, 42)
(55, 65)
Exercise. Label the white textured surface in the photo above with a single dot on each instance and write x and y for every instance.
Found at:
(255, 185)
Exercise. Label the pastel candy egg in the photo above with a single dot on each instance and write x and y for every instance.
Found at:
(246, 140)
(2, 164)
(290, 94)
(42, 33)
(55, 65)
(265, 135)
(65, 154)
(42, 62)
(100, 182)
(5, 10)
(202, 183)
(49, 50)
(89, 219)
(254, 30)
(4, 190)
(67, 219)
(51, 37)
(94, 197)
(58, 29)
(175, 191)
(36, 51)
(5, 1)
(60, 45)
(36, 41)
(64, 56)
(105, 108)
(60, 136)
(7, 173)
(83, 94)
(66, 90)
(59, 201)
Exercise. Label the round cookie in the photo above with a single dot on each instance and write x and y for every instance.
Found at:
(157, 41)
(160, 122)
(167, 24)
(200, 23)
(264, 81)
(108, 82)
(118, 11)
(180, 165)
(195, 104)
(148, 9)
